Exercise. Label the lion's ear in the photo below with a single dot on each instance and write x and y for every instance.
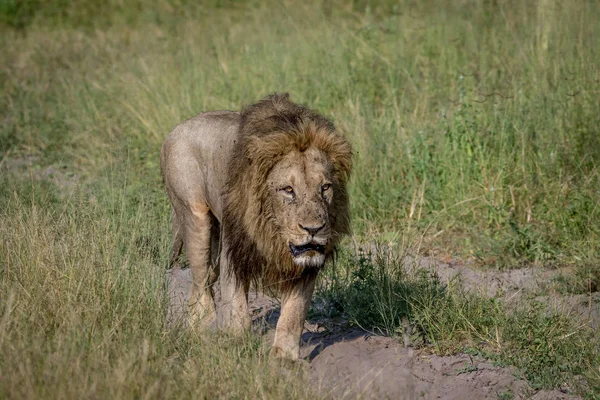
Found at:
(258, 148)
(267, 150)
(340, 154)
(343, 163)
(252, 146)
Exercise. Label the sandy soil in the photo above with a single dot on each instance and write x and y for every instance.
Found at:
(350, 363)
(518, 285)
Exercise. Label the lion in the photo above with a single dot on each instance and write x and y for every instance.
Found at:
(257, 196)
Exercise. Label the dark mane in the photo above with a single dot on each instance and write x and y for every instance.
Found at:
(268, 131)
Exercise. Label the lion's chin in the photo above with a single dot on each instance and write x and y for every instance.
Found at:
(314, 260)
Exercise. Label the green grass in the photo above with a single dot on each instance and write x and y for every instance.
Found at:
(388, 295)
(475, 131)
(84, 313)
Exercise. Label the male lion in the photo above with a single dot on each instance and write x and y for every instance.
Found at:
(257, 196)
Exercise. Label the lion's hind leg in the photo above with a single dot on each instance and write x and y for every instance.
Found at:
(197, 243)
(215, 250)
(177, 245)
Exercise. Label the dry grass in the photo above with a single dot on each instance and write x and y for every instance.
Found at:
(475, 129)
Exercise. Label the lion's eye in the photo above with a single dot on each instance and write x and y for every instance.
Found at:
(288, 190)
(326, 187)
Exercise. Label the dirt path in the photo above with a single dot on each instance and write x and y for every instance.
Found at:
(355, 364)
(518, 285)
(378, 367)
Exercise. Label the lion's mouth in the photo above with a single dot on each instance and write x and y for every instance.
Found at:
(299, 250)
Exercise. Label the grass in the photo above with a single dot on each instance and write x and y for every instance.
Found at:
(475, 130)
(84, 314)
(384, 294)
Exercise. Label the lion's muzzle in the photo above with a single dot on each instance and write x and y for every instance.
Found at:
(309, 255)
(312, 246)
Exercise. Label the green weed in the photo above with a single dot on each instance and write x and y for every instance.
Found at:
(391, 296)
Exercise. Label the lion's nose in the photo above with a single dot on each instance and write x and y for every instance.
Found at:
(312, 229)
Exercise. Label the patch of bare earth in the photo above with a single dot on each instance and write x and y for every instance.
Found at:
(518, 285)
(351, 363)
(29, 166)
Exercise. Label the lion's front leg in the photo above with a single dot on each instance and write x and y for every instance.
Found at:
(294, 306)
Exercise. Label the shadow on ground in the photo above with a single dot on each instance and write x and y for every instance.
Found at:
(350, 363)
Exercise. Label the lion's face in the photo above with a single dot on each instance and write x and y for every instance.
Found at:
(302, 188)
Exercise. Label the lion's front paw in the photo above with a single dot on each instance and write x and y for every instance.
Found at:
(284, 354)
(203, 322)
(287, 359)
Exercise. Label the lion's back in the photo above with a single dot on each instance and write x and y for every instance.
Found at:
(194, 157)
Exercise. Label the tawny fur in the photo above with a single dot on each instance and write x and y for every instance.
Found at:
(222, 170)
